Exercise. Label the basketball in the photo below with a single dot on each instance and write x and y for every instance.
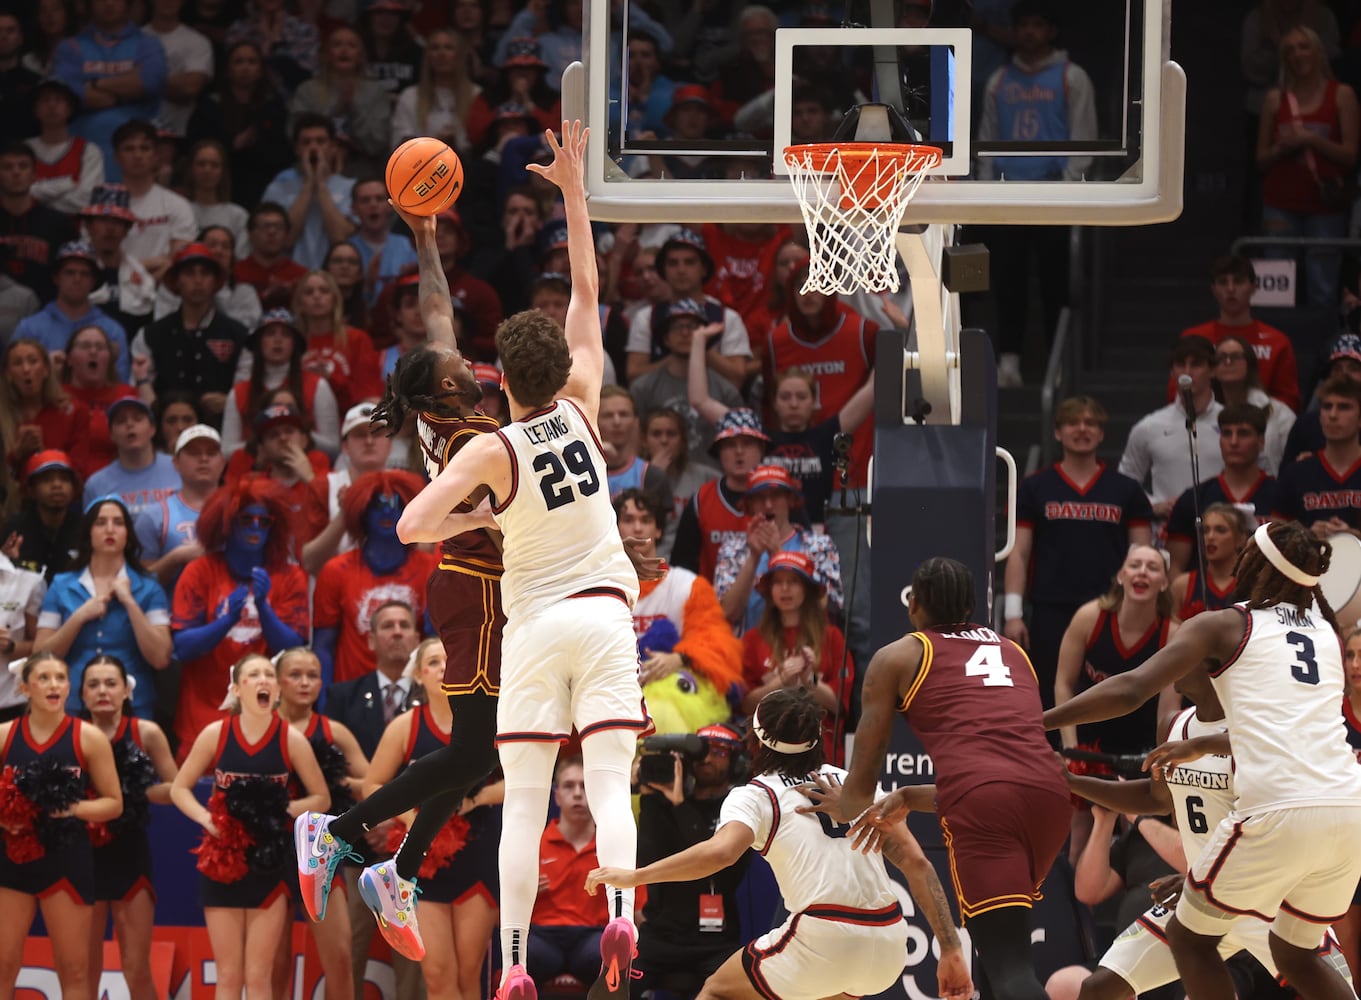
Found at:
(424, 176)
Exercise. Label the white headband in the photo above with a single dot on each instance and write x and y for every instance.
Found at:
(766, 740)
(1277, 559)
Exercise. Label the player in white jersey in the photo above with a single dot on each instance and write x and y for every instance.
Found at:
(1199, 793)
(568, 656)
(841, 901)
(1286, 853)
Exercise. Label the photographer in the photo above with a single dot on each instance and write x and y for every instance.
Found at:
(689, 928)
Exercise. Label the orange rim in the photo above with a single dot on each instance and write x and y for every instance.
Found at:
(914, 156)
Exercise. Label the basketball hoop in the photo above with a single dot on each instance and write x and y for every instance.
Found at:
(852, 195)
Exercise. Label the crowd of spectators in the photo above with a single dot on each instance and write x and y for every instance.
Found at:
(203, 289)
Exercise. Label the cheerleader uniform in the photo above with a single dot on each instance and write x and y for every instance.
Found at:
(237, 758)
(474, 869)
(1215, 599)
(318, 735)
(67, 868)
(1105, 657)
(123, 866)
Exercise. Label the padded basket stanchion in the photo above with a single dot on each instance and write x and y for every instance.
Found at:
(852, 195)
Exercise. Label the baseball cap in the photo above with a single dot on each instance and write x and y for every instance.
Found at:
(793, 562)
(487, 374)
(719, 733)
(279, 413)
(1346, 346)
(136, 401)
(359, 415)
(46, 461)
(686, 238)
(772, 477)
(738, 422)
(197, 432)
(685, 307)
(522, 52)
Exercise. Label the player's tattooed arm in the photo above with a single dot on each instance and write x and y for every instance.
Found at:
(901, 848)
(437, 311)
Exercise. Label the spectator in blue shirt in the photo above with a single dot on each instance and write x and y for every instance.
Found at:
(141, 477)
(75, 276)
(119, 72)
(375, 238)
(108, 603)
(313, 191)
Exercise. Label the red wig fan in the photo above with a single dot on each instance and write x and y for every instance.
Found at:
(403, 485)
(220, 510)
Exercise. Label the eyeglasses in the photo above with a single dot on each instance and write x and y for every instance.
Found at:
(715, 750)
(254, 520)
(1227, 356)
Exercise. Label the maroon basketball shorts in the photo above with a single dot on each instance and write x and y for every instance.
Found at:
(1002, 840)
(465, 607)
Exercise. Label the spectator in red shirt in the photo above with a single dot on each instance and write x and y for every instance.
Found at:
(744, 260)
(268, 268)
(352, 585)
(34, 413)
(283, 456)
(1232, 281)
(479, 302)
(341, 354)
(564, 933)
(242, 596)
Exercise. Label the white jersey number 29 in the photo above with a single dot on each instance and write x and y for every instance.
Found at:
(986, 662)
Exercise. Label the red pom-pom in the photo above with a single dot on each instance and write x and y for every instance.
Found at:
(448, 842)
(223, 858)
(100, 834)
(17, 816)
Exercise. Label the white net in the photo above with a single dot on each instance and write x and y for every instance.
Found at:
(852, 196)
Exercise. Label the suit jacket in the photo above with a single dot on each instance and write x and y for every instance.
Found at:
(358, 704)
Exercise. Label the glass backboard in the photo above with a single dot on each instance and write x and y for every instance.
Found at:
(1091, 133)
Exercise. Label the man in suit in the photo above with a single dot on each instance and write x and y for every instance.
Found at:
(367, 704)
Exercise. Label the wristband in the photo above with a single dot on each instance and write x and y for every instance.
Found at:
(1013, 606)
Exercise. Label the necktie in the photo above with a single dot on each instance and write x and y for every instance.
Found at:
(392, 702)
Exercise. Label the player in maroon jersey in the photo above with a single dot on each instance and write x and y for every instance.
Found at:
(971, 697)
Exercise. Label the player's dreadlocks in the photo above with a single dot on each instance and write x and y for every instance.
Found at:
(787, 716)
(408, 391)
(944, 590)
(1262, 585)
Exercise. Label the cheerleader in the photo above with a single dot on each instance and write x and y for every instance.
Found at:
(1224, 530)
(58, 776)
(458, 903)
(343, 765)
(246, 849)
(122, 853)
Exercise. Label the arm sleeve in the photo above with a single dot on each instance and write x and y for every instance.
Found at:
(752, 806)
(1181, 523)
(685, 549)
(1134, 462)
(1081, 119)
(734, 341)
(325, 420)
(326, 601)
(148, 532)
(151, 65)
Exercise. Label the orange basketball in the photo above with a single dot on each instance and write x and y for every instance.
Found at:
(424, 176)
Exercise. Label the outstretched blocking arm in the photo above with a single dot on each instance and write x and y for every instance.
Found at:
(1211, 635)
(437, 312)
(584, 338)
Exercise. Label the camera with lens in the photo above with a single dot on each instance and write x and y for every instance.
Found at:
(658, 767)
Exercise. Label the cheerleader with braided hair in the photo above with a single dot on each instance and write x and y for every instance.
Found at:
(840, 899)
(1287, 853)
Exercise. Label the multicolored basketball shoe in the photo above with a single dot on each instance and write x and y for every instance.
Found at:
(393, 902)
(618, 949)
(319, 852)
(518, 986)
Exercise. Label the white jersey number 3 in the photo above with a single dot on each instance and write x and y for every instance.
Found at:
(986, 662)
